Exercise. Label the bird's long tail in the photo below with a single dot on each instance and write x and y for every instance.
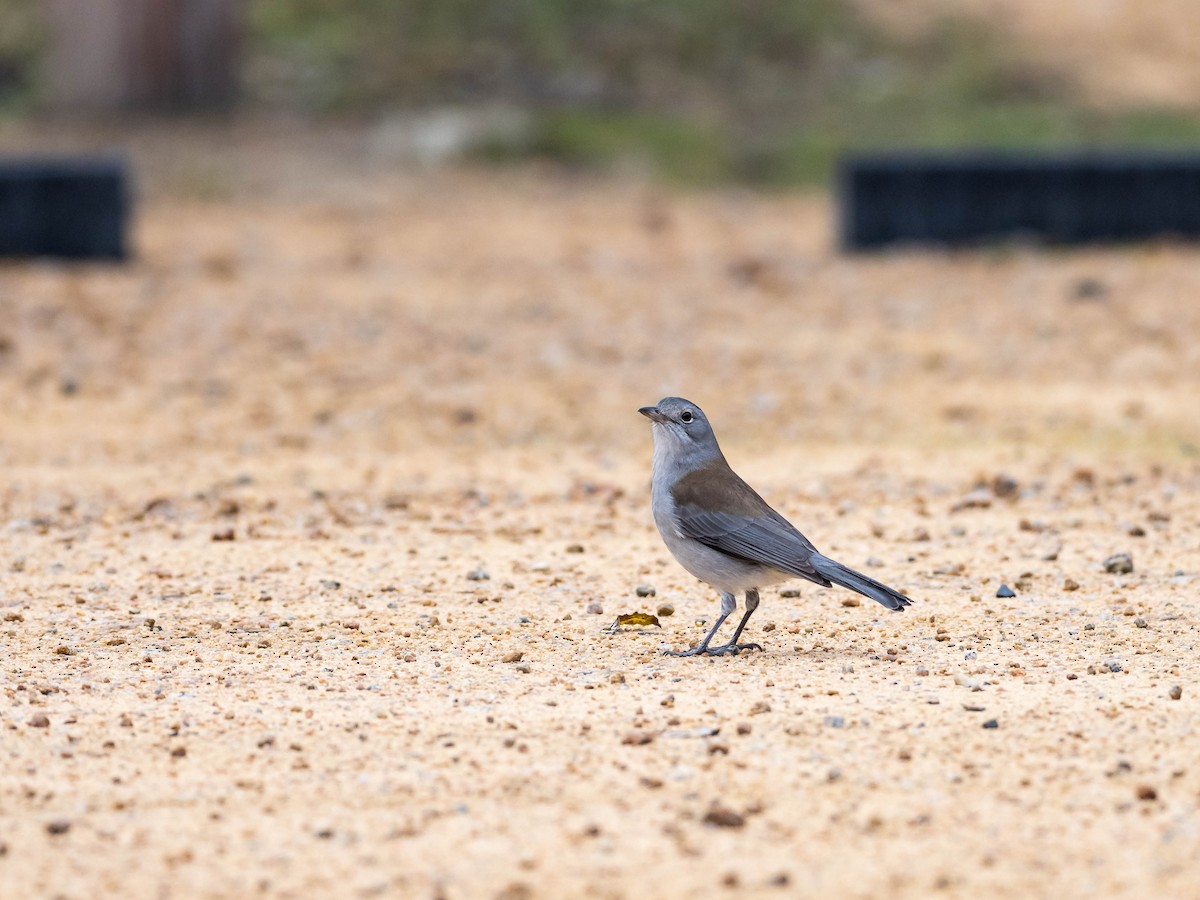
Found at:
(857, 581)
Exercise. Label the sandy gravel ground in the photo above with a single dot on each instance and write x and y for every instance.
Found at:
(303, 513)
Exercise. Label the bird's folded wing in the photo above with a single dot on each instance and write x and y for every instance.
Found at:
(767, 540)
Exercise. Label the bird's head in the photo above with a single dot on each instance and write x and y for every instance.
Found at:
(681, 429)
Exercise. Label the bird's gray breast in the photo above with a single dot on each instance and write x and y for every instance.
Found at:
(723, 571)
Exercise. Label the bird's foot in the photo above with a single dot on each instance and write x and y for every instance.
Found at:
(724, 650)
(733, 648)
(698, 650)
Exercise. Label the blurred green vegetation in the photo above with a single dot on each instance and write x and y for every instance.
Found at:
(22, 40)
(768, 92)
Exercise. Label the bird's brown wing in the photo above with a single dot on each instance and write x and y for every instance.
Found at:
(715, 506)
(769, 540)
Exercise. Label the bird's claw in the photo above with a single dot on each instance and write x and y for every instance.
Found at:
(723, 650)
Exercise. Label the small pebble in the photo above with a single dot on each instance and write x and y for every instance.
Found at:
(637, 738)
(1005, 486)
(645, 590)
(595, 609)
(39, 720)
(513, 656)
(835, 721)
(575, 548)
(178, 751)
(760, 707)
(1070, 584)
(991, 723)
(480, 574)
(969, 683)
(1175, 692)
(58, 826)
(1146, 793)
(744, 728)
(1089, 288)
(665, 609)
(1141, 623)
(851, 601)
(790, 593)
(723, 817)
(1119, 564)
(1005, 591)
(922, 671)
(970, 654)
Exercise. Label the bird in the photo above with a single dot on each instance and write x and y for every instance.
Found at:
(720, 530)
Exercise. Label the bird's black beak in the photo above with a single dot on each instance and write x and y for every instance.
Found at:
(652, 413)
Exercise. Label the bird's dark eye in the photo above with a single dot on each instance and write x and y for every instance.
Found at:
(686, 416)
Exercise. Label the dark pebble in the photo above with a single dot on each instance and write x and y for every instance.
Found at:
(723, 817)
(58, 826)
(1119, 564)
(645, 590)
(835, 721)
(39, 720)
(1005, 591)
(480, 574)
(1176, 692)
(1089, 289)
(991, 723)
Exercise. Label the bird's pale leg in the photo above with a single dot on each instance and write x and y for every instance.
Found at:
(728, 605)
(733, 646)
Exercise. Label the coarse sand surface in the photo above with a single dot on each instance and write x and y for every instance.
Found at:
(313, 518)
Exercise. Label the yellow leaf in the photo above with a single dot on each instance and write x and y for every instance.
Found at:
(636, 619)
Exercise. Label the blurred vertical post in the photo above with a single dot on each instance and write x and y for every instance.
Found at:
(144, 55)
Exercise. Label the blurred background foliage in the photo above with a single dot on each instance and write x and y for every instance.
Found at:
(762, 92)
